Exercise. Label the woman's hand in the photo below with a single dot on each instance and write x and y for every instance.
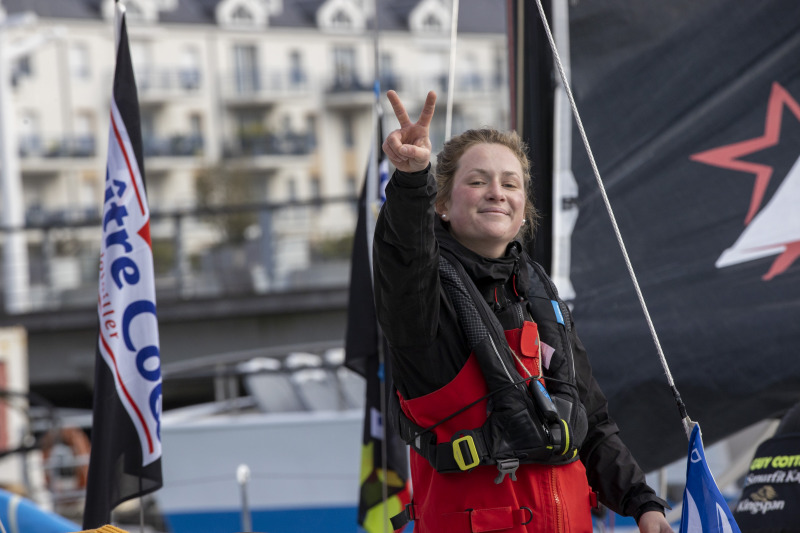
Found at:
(654, 522)
(409, 148)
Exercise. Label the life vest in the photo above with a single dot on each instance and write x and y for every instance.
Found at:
(497, 412)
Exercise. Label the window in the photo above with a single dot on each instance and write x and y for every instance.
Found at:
(30, 141)
(343, 16)
(195, 143)
(341, 20)
(315, 185)
(348, 131)
(430, 16)
(297, 74)
(79, 63)
(246, 65)
(21, 69)
(83, 143)
(432, 23)
(311, 132)
(196, 124)
(189, 73)
(242, 15)
(141, 56)
(344, 64)
(387, 76)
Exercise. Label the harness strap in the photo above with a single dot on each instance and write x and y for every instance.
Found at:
(442, 455)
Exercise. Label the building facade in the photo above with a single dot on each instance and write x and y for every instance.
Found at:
(242, 102)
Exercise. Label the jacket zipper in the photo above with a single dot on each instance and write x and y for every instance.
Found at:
(556, 500)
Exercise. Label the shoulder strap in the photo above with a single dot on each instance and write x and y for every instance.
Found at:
(478, 322)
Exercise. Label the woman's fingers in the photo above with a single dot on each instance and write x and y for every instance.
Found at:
(427, 110)
(409, 148)
(390, 149)
(399, 109)
(425, 116)
(418, 154)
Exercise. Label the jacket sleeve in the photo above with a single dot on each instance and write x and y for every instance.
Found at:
(423, 342)
(610, 467)
(405, 259)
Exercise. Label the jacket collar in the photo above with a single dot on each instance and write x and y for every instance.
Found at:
(484, 271)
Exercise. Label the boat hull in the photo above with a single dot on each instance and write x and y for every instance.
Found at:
(304, 471)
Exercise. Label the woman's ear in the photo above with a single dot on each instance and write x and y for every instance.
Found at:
(439, 208)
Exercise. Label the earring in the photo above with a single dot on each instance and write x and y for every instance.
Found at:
(524, 221)
(444, 216)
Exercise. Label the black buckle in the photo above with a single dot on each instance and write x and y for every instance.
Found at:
(507, 467)
(403, 517)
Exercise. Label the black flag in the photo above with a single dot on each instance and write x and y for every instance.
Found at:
(362, 344)
(693, 112)
(125, 459)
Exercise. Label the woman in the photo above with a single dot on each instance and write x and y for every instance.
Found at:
(495, 390)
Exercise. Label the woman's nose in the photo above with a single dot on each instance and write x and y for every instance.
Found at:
(495, 190)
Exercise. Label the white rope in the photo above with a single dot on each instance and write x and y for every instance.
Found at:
(687, 422)
(451, 83)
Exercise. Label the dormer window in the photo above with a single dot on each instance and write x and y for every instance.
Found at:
(242, 14)
(341, 20)
(430, 17)
(342, 15)
(431, 23)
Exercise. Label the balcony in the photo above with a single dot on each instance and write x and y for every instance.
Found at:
(77, 146)
(258, 87)
(161, 85)
(475, 85)
(349, 91)
(173, 146)
(268, 145)
(213, 252)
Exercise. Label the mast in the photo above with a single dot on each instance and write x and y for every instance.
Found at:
(565, 188)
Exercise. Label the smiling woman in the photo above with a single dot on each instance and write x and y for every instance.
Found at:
(483, 181)
(491, 377)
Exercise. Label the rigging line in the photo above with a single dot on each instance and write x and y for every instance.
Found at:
(451, 80)
(687, 422)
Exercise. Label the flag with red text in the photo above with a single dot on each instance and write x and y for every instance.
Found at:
(126, 443)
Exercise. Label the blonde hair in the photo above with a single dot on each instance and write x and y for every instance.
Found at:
(448, 159)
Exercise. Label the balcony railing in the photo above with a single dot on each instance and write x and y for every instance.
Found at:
(260, 84)
(34, 146)
(259, 144)
(168, 80)
(203, 253)
(175, 146)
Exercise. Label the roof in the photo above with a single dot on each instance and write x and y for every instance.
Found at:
(475, 16)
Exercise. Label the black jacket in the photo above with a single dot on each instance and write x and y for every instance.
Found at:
(427, 345)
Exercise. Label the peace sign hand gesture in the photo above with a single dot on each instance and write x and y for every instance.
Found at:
(409, 148)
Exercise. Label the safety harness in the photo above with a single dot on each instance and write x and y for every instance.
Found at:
(526, 423)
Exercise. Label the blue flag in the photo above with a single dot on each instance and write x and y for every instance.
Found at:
(704, 508)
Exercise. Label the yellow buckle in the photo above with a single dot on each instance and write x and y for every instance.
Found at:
(459, 457)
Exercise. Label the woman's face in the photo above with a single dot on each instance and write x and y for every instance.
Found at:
(487, 203)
